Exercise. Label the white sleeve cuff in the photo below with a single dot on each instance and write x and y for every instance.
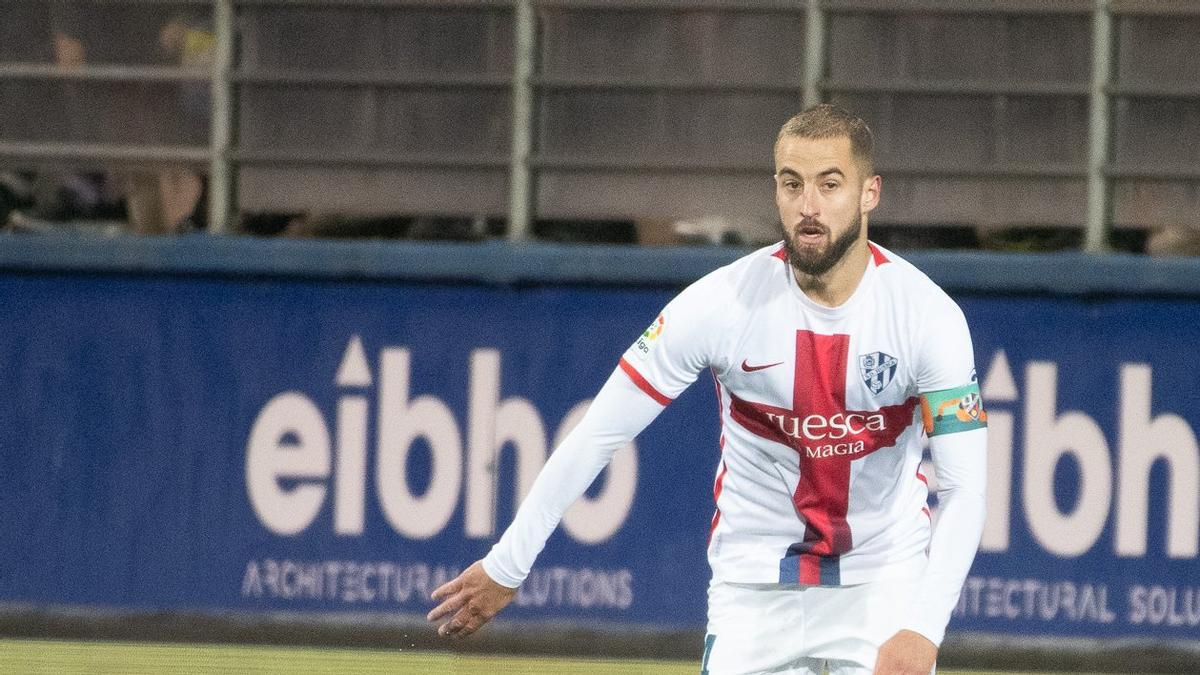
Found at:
(498, 575)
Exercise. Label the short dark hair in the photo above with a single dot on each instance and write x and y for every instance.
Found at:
(830, 121)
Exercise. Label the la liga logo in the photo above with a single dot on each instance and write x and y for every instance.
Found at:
(655, 329)
(648, 337)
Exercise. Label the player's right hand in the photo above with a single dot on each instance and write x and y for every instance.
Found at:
(470, 600)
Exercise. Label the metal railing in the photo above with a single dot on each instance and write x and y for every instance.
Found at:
(529, 86)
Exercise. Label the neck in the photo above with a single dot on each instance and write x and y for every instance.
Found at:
(835, 287)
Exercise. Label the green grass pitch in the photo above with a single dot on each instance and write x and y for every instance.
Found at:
(37, 657)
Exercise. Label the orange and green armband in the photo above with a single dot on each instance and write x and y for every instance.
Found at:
(950, 411)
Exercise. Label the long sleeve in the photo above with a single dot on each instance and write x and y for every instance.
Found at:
(956, 422)
(960, 460)
(662, 362)
(618, 413)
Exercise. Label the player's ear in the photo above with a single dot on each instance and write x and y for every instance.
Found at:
(870, 193)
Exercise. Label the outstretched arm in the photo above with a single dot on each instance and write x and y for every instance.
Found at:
(619, 412)
(660, 364)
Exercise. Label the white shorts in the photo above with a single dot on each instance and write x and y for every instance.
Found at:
(802, 630)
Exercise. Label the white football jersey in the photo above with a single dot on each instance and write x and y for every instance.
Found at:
(822, 411)
(821, 427)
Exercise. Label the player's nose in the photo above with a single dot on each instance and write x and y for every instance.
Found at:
(809, 208)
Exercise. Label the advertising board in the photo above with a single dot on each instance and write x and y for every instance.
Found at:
(325, 446)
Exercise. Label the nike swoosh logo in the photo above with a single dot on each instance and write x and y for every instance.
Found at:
(750, 369)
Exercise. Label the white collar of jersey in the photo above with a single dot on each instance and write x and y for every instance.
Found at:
(864, 284)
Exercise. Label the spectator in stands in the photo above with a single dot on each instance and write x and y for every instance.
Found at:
(158, 199)
(45, 195)
(1179, 240)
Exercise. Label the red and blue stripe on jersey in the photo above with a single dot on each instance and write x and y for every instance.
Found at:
(822, 494)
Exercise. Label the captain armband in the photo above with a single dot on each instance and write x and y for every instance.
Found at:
(950, 411)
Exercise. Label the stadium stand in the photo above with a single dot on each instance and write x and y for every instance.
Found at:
(990, 114)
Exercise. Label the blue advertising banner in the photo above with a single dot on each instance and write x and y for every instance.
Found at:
(209, 444)
(1094, 476)
(320, 445)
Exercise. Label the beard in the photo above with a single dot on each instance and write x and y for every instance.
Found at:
(814, 261)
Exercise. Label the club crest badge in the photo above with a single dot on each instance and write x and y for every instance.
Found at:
(877, 370)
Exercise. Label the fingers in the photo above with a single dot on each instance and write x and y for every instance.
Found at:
(467, 616)
(447, 589)
(450, 606)
(449, 592)
(470, 600)
(466, 621)
(460, 623)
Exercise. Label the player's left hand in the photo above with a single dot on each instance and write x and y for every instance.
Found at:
(906, 653)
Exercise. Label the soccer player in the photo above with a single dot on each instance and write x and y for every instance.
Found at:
(833, 358)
